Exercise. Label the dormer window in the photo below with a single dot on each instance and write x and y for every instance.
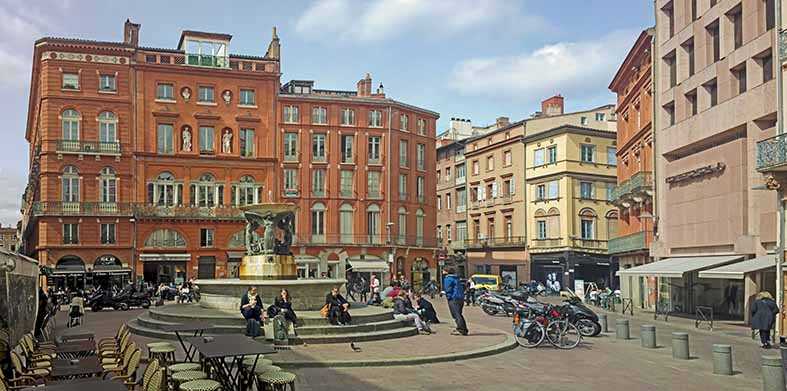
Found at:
(207, 53)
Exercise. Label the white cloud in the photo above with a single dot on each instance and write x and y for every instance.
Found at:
(13, 184)
(575, 69)
(377, 20)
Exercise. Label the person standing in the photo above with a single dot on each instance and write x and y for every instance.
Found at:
(374, 289)
(455, 293)
(763, 317)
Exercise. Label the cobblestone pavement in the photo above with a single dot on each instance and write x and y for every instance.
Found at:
(601, 363)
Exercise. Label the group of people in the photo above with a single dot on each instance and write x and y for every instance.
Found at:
(252, 310)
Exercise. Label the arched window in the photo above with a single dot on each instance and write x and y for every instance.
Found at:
(206, 192)
(108, 185)
(402, 223)
(318, 223)
(612, 224)
(107, 128)
(246, 192)
(164, 191)
(71, 181)
(419, 227)
(346, 223)
(70, 124)
(553, 223)
(165, 238)
(587, 224)
(373, 224)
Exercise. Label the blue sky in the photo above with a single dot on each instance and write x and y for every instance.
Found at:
(476, 59)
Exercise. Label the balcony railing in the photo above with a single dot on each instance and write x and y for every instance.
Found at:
(460, 180)
(475, 204)
(634, 242)
(374, 196)
(510, 241)
(772, 152)
(291, 193)
(291, 158)
(461, 208)
(88, 147)
(364, 240)
(189, 212)
(547, 243)
(506, 198)
(59, 208)
(589, 244)
(204, 60)
(639, 182)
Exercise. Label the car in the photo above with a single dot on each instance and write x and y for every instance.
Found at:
(489, 282)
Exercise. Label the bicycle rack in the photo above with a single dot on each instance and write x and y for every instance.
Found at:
(628, 305)
(703, 314)
(662, 310)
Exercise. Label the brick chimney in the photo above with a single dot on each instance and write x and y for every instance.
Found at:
(501, 122)
(552, 106)
(131, 33)
(365, 86)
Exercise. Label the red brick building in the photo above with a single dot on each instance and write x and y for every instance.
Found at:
(140, 158)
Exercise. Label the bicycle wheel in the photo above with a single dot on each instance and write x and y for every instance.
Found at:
(529, 334)
(562, 334)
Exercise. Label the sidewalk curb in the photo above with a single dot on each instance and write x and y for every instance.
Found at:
(509, 344)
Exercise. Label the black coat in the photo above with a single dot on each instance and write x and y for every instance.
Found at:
(428, 310)
(253, 312)
(335, 301)
(763, 314)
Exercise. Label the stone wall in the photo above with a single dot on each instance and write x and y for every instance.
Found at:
(18, 295)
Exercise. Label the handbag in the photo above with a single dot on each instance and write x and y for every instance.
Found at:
(324, 311)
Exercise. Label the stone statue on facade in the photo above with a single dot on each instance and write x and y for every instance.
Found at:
(187, 139)
(226, 142)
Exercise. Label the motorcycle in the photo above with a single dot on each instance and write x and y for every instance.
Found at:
(100, 299)
(494, 303)
(581, 315)
(132, 298)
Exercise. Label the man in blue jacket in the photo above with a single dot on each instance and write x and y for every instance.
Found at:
(455, 293)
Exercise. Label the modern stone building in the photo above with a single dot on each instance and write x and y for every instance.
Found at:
(141, 157)
(633, 194)
(715, 98)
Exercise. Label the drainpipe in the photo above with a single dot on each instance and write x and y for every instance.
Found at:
(654, 71)
(779, 192)
(388, 164)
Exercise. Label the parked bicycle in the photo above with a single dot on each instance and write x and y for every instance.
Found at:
(531, 327)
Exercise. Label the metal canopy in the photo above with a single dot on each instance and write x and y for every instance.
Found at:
(737, 271)
(677, 267)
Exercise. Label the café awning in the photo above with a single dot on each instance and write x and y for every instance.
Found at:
(736, 271)
(369, 263)
(302, 258)
(165, 257)
(677, 267)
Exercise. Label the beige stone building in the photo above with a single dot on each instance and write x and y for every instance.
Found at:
(714, 98)
(9, 239)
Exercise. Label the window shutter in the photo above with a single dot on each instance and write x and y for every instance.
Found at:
(150, 193)
(220, 190)
(180, 195)
(193, 195)
(494, 189)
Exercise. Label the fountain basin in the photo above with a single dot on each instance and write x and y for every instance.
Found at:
(225, 294)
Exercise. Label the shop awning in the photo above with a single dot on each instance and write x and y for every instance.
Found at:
(165, 257)
(736, 271)
(64, 272)
(113, 272)
(306, 259)
(677, 267)
(235, 254)
(369, 263)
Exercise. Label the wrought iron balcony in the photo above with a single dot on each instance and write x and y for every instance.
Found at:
(772, 153)
(60, 208)
(460, 180)
(640, 182)
(634, 242)
(88, 147)
(589, 244)
(496, 242)
(547, 244)
(363, 240)
(188, 212)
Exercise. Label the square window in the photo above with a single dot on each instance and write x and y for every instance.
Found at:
(247, 97)
(70, 233)
(291, 114)
(108, 233)
(587, 153)
(107, 83)
(165, 91)
(319, 115)
(552, 154)
(70, 81)
(586, 190)
(205, 94)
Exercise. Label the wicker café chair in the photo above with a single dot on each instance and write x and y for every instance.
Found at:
(21, 371)
(127, 374)
(117, 362)
(113, 340)
(33, 360)
(128, 365)
(16, 383)
(114, 350)
(147, 376)
(156, 381)
(200, 385)
(41, 351)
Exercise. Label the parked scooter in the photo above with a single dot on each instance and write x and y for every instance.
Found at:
(496, 303)
(101, 299)
(132, 298)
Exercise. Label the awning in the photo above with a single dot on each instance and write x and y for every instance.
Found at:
(676, 267)
(736, 271)
(235, 254)
(65, 272)
(370, 263)
(306, 259)
(165, 257)
(122, 271)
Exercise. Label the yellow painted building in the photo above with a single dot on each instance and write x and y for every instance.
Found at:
(571, 171)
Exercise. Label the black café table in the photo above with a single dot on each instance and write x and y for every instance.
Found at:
(214, 352)
(83, 385)
(198, 327)
(70, 335)
(76, 349)
(76, 368)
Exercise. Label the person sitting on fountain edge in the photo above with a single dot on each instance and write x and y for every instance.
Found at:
(338, 308)
(251, 309)
(283, 305)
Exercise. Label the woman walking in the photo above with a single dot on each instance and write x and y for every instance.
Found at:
(763, 317)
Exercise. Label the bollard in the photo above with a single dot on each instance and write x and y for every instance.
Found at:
(722, 359)
(622, 329)
(680, 346)
(602, 320)
(772, 373)
(647, 336)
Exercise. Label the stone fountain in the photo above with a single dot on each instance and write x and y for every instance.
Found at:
(268, 264)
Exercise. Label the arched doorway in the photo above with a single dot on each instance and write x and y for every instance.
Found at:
(69, 274)
(108, 272)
